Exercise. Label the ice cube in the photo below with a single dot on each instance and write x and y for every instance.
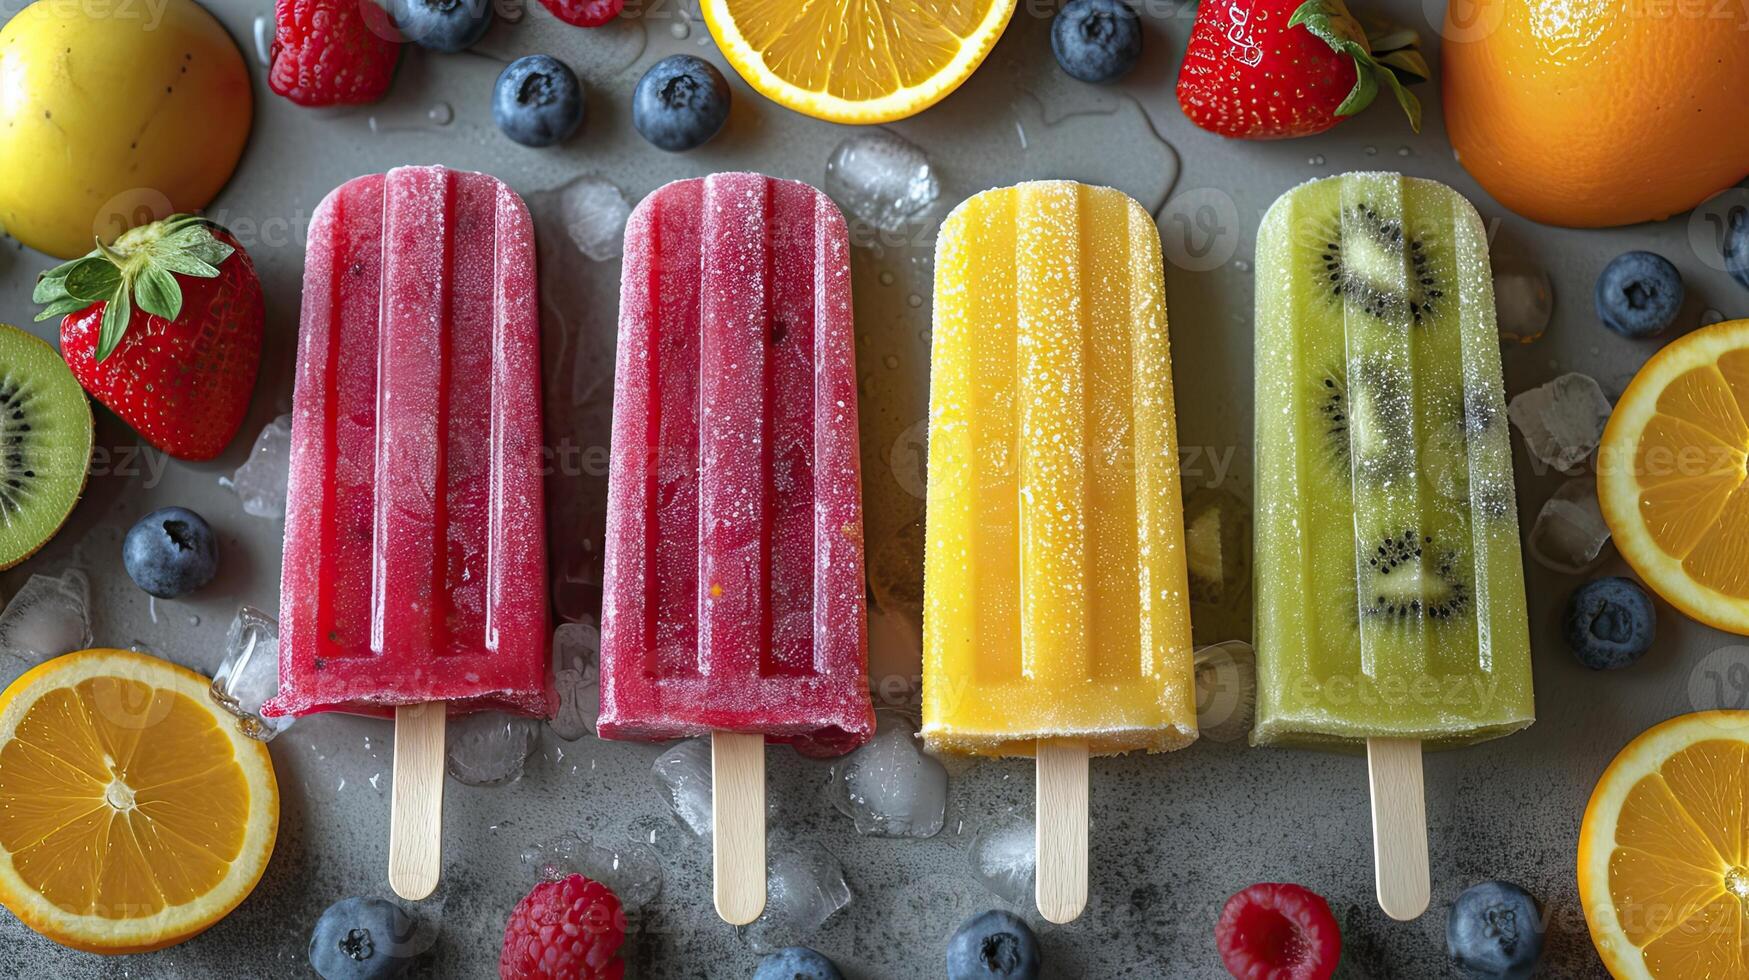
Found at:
(1226, 690)
(1004, 857)
(489, 748)
(576, 677)
(260, 482)
(1562, 421)
(249, 674)
(804, 886)
(594, 212)
(1569, 533)
(1525, 300)
(888, 787)
(683, 773)
(631, 870)
(882, 179)
(50, 616)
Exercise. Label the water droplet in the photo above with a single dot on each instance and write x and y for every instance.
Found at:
(914, 301)
(264, 40)
(1242, 265)
(680, 29)
(1372, 151)
(1316, 160)
(891, 362)
(926, 335)
(1404, 151)
(442, 114)
(1054, 143)
(511, 11)
(1709, 316)
(886, 278)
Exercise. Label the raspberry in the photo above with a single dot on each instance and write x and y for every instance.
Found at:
(585, 13)
(332, 52)
(569, 929)
(1278, 932)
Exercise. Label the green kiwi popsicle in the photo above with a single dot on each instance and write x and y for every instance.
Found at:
(1390, 589)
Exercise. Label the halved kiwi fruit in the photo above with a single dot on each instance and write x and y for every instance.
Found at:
(45, 444)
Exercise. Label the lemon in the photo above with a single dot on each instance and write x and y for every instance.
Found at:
(1671, 474)
(1664, 852)
(133, 813)
(861, 61)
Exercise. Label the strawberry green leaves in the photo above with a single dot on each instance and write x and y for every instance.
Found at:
(140, 270)
(1386, 54)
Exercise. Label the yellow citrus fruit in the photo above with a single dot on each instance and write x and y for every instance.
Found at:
(1664, 852)
(115, 114)
(868, 61)
(1671, 474)
(133, 813)
(1593, 112)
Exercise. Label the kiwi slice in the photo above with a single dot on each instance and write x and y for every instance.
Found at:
(1368, 260)
(1445, 445)
(1409, 578)
(45, 444)
(1364, 421)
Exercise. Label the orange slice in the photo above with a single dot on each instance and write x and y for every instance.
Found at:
(133, 813)
(859, 61)
(1664, 852)
(1671, 474)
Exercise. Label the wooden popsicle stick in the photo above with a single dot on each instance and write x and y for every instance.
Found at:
(738, 822)
(1060, 885)
(416, 805)
(1399, 826)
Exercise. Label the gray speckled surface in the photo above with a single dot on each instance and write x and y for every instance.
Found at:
(1173, 835)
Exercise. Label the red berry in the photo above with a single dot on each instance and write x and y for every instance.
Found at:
(183, 383)
(332, 52)
(569, 929)
(1278, 932)
(1251, 71)
(585, 13)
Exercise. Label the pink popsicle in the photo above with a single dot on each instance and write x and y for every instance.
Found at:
(415, 553)
(734, 583)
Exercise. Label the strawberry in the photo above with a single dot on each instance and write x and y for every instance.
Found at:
(332, 52)
(1274, 69)
(182, 368)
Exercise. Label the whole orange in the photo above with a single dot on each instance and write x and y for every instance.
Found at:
(1598, 112)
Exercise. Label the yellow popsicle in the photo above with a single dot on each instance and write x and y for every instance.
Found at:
(1055, 589)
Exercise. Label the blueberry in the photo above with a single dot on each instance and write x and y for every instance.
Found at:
(796, 963)
(1737, 246)
(538, 101)
(1096, 40)
(171, 552)
(363, 939)
(1495, 931)
(1639, 294)
(442, 25)
(993, 946)
(680, 103)
(1610, 623)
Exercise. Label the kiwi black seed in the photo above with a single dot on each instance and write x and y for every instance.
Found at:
(45, 444)
(1409, 578)
(1416, 298)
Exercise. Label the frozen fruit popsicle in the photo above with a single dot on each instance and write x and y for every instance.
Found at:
(415, 568)
(1055, 594)
(734, 584)
(1390, 591)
